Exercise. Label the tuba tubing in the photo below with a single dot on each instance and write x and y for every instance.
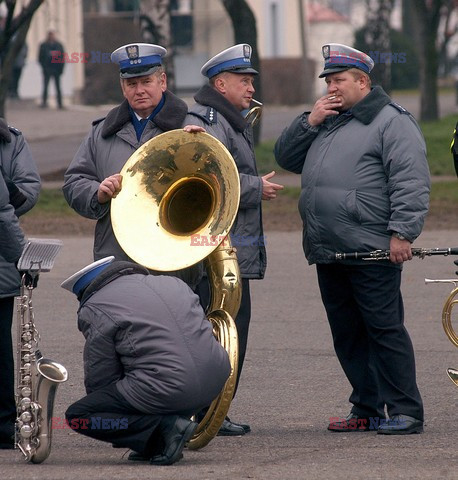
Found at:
(225, 296)
(188, 188)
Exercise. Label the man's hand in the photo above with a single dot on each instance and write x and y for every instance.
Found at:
(269, 189)
(323, 108)
(193, 129)
(400, 250)
(109, 188)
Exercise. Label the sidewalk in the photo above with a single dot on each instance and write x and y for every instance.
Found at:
(39, 124)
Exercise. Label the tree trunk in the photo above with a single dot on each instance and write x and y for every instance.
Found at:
(427, 16)
(155, 28)
(12, 38)
(377, 37)
(244, 25)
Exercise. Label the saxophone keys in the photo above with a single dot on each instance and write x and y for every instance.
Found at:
(26, 431)
(26, 392)
(25, 417)
(25, 403)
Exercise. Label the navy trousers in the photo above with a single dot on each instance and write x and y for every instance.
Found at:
(107, 416)
(366, 315)
(7, 399)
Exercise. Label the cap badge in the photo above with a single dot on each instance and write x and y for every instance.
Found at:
(132, 52)
(326, 51)
(246, 51)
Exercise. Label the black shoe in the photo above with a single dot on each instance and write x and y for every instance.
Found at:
(352, 423)
(137, 457)
(230, 429)
(176, 432)
(401, 425)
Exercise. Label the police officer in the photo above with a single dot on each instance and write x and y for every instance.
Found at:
(19, 189)
(150, 360)
(149, 109)
(219, 110)
(365, 186)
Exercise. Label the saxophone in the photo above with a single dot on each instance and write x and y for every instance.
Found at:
(37, 377)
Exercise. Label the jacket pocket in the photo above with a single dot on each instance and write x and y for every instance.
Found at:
(368, 207)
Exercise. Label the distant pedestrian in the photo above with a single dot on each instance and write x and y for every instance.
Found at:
(51, 60)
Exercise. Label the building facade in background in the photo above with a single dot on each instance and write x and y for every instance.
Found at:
(201, 28)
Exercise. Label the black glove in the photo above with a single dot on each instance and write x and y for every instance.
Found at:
(456, 263)
(17, 198)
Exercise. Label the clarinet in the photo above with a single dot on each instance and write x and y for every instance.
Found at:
(385, 254)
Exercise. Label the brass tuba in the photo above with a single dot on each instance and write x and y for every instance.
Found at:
(180, 195)
(37, 377)
(447, 320)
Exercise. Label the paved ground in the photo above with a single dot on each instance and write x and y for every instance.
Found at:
(291, 385)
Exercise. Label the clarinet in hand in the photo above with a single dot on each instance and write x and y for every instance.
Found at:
(385, 254)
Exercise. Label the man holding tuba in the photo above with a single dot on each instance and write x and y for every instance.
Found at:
(219, 110)
(150, 360)
(148, 109)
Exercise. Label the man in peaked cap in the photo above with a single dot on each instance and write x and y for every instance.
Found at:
(219, 110)
(365, 187)
(150, 360)
(148, 109)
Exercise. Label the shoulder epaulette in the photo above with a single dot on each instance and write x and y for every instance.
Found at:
(95, 122)
(210, 115)
(14, 130)
(399, 108)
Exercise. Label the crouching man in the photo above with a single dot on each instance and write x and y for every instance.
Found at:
(150, 359)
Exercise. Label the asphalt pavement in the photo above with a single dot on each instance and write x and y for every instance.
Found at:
(291, 385)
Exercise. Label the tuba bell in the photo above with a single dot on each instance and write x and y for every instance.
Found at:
(450, 302)
(179, 187)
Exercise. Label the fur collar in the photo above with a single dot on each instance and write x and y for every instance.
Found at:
(369, 107)
(170, 117)
(209, 97)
